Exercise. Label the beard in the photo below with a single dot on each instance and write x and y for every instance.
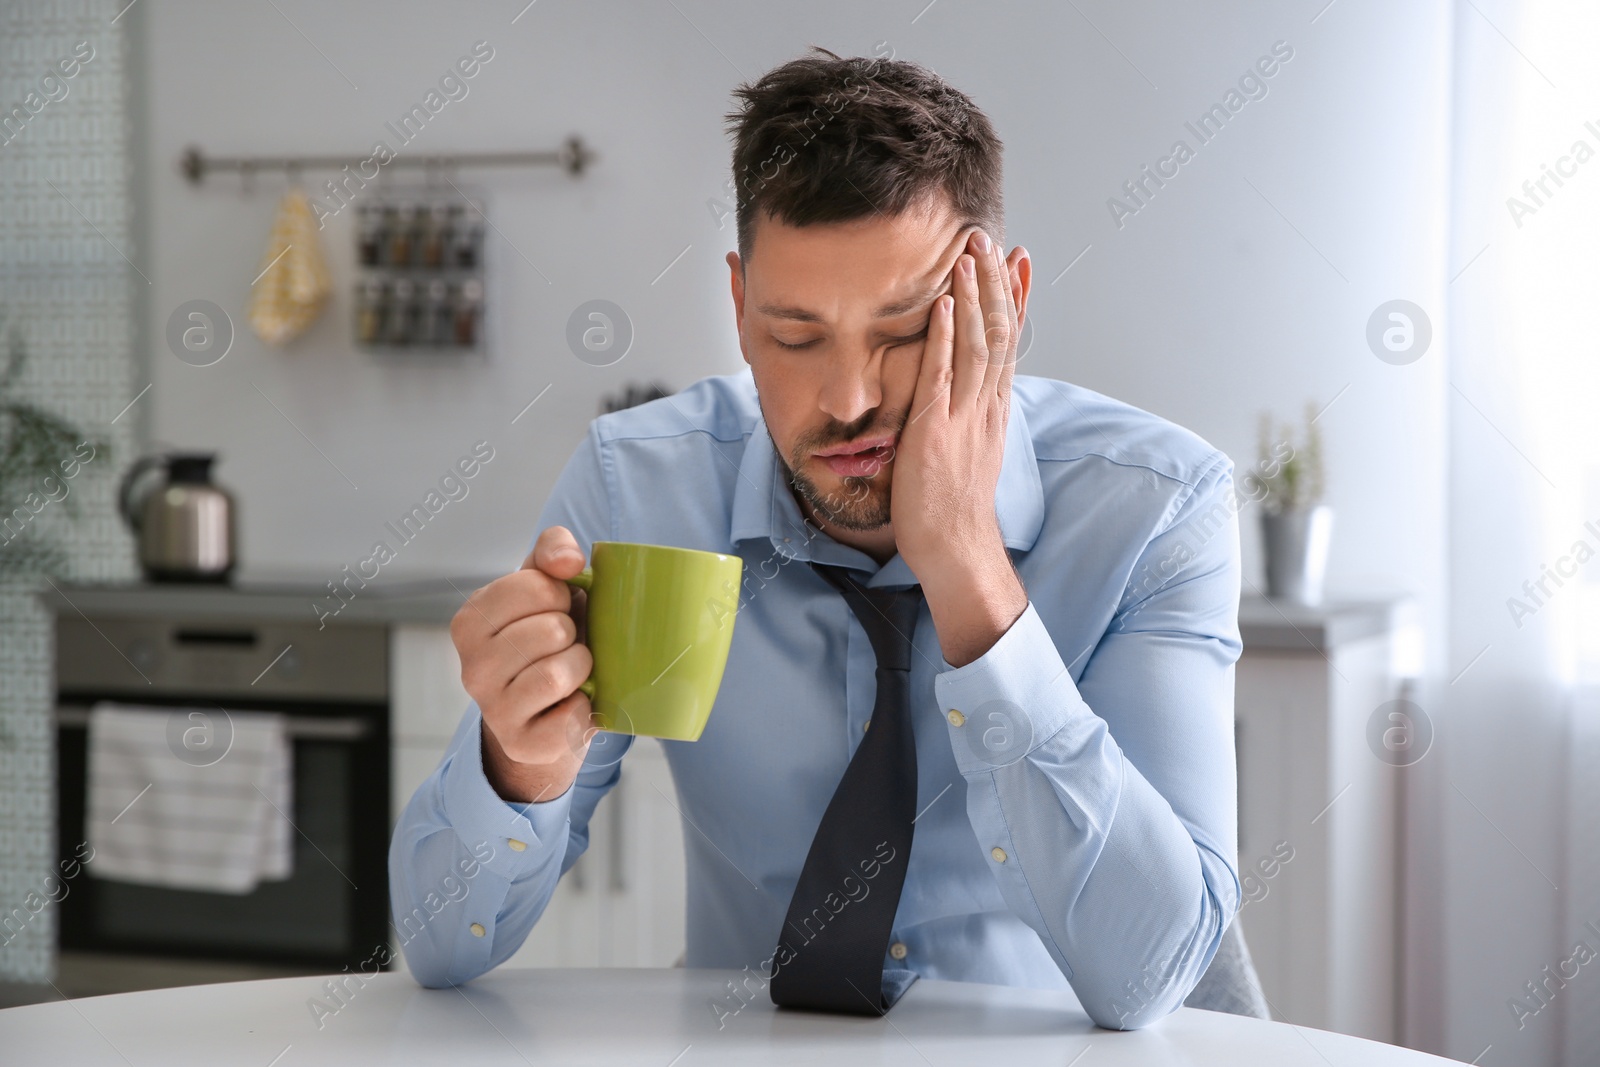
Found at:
(861, 502)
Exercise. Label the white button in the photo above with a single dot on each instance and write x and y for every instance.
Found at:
(998, 853)
(865, 725)
(477, 929)
(955, 717)
(516, 846)
(898, 950)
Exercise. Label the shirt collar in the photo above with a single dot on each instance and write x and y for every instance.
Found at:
(765, 506)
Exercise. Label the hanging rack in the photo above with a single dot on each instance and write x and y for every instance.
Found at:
(573, 156)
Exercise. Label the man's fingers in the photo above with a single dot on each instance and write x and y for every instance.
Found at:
(560, 731)
(556, 552)
(1016, 266)
(931, 397)
(999, 333)
(517, 647)
(996, 319)
(549, 680)
(505, 600)
(971, 350)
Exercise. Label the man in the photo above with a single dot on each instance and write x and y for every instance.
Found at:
(1052, 717)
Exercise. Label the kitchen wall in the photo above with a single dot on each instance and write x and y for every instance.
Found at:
(1245, 283)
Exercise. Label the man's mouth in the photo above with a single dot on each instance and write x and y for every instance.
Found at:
(858, 459)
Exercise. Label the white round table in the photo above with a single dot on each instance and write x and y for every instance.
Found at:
(657, 1018)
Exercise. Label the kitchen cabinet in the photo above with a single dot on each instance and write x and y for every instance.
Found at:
(1319, 804)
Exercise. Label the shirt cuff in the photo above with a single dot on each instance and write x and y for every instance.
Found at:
(1010, 700)
(479, 814)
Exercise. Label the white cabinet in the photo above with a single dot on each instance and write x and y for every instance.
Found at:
(426, 701)
(623, 902)
(1318, 809)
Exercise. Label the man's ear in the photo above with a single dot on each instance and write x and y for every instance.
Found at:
(736, 281)
(1020, 267)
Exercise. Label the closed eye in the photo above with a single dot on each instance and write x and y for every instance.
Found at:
(893, 341)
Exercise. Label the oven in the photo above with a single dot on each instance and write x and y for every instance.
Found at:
(332, 685)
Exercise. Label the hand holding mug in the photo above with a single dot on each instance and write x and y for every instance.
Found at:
(659, 621)
(522, 662)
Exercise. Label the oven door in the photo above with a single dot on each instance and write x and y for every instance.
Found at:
(331, 912)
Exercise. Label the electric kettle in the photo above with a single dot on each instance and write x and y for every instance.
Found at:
(184, 523)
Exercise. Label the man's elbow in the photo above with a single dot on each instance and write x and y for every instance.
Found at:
(1120, 999)
(1133, 1013)
(430, 971)
(1139, 1003)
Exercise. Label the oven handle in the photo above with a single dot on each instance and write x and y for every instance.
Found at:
(299, 727)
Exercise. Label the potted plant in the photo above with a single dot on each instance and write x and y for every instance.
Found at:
(39, 454)
(1296, 527)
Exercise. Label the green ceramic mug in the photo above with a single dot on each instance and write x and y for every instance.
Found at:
(659, 624)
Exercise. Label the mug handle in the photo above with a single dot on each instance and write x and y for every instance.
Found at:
(584, 580)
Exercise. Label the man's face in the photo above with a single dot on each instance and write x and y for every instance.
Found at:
(856, 298)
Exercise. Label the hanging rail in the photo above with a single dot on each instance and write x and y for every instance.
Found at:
(573, 155)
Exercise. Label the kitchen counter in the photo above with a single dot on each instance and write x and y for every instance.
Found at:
(1281, 626)
(1263, 624)
(261, 598)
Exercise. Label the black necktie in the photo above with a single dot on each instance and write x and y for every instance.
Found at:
(834, 938)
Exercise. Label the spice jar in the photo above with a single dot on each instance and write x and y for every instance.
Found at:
(466, 240)
(370, 228)
(369, 312)
(435, 235)
(468, 304)
(397, 223)
(397, 319)
(436, 321)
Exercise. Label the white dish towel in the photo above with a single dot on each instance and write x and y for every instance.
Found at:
(189, 797)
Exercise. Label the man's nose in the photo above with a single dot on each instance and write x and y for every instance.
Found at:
(851, 387)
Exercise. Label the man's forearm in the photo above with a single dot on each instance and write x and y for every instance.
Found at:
(974, 598)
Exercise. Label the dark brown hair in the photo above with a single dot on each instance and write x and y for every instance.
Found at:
(824, 139)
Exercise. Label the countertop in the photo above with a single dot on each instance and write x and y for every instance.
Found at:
(266, 597)
(1277, 625)
(1263, 624)
(668, 1017)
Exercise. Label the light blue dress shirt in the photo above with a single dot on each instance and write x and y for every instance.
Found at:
(1077, 826)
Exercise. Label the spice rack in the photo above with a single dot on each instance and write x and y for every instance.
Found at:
(419, 254)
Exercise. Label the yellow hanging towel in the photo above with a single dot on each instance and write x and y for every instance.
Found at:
(294, 285)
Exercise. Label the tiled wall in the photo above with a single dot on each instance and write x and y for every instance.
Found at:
(68, 277)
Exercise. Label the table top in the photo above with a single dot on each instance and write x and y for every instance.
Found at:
(659, 1018)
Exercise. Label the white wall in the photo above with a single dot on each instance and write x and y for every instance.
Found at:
(1206, 307)
(1244, 285)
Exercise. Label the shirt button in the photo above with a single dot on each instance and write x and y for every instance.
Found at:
(955, 717)
(516, 846)
(898, 950)
(477, 929)
(865, 725)
(998, 853)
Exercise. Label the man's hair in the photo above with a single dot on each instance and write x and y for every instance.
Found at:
(825, 139)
